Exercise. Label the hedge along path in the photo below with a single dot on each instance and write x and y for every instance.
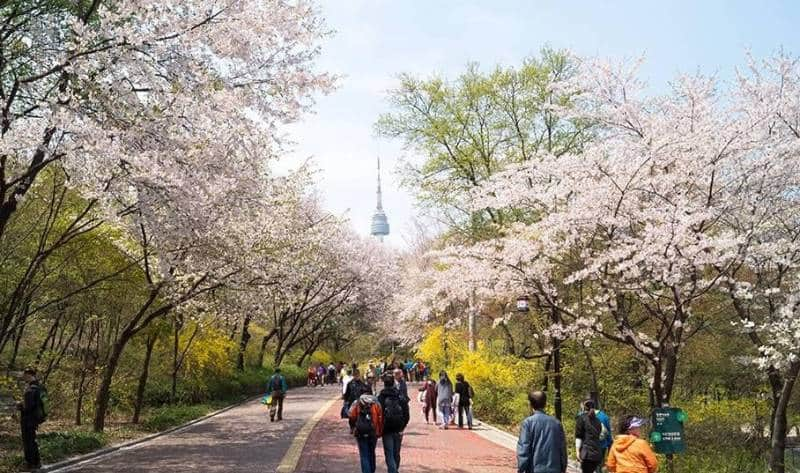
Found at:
(292, 457)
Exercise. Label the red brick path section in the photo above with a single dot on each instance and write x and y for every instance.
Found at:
(426, 449)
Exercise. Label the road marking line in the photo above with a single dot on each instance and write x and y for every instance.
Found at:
(292, 456)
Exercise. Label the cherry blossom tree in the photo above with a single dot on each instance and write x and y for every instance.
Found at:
(679, 199)
(163, 115)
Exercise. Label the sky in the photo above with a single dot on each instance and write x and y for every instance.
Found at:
(376, 40)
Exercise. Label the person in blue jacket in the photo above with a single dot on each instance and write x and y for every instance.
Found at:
(542, 446)
(278, 387)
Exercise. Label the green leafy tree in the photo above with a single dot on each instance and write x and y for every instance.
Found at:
(473, 127)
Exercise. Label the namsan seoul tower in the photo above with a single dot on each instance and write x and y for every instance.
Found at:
(380, 224)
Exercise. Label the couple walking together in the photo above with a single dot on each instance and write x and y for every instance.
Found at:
(385, 416)
(442, 398)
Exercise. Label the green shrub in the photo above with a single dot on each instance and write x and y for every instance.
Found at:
(163, 418)
(55, 446)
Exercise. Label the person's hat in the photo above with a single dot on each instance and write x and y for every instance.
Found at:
(637, 422)
(30, 370)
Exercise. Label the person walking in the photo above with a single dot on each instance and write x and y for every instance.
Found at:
(606, 438)
(542, 444)
(588, 430)
(400, 383)
(278, 387)
(420, 370)
(33, 412)
(428, 390)
(311, 376)
(629, 453)
(331, 373)
(366, 416)
(355, 389)
(444, 396)
(321, 374)
(345, 379)
(465, 395)
(396, 416)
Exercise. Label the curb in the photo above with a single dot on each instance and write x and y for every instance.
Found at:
(131, 443)
(496, 430)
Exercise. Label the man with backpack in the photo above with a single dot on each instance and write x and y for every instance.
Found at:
(33, 411)
(353, 391)
(278, 387)
(396, 416)
(366, 416)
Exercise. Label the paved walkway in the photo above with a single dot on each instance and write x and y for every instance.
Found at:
(239, 440)
(426, 449)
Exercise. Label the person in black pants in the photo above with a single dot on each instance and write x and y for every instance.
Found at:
(30, 417)
(587, 438)
(465, 394)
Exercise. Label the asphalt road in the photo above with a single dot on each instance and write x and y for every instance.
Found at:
(239, 440)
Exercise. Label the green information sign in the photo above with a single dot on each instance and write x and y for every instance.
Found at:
(667, 434)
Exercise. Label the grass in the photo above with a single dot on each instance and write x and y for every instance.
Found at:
(53, 446)
(166, 417)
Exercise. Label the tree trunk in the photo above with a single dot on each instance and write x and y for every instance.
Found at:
(510, 346)
(594, 390)
(777, 457)
(309, 350)
(279, 353)
(548, 363)
(243, 342)
(176, 338)
(278, 358)
(79, 398)
(13, 361)
(104, 390)
(137, 406)
(471, 324)
(263, 350)
(557, 377)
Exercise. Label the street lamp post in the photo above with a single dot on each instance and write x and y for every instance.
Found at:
(556, 342)
(523, 305)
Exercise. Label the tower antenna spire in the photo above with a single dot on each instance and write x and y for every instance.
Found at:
(380, 195)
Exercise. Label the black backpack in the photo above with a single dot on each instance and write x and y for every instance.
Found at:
(275, 383)
(393, 419)
(364, 427)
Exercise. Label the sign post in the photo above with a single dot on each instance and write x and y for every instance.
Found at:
(667, 435)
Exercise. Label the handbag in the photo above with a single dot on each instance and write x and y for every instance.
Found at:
(267, 399)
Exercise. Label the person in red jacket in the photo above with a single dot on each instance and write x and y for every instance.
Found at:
(629, 453)
(367, 417)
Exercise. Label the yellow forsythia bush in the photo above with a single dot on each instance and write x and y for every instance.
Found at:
(500, 382)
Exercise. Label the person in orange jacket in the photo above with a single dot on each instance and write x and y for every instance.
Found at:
(629, 453)
(367, 417)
